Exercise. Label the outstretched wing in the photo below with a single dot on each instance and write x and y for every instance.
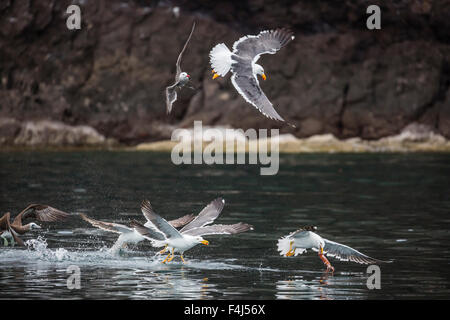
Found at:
(160, 223)
(220, 229)
(182, 221)
(107, 226)
(345, 253)
(181, 53)
(268, 41)
(248, 87)
(4, 221)
(247, 51)
(40, 212)
(147, 233)
(207, 215)
(16, 237)
(171, 97)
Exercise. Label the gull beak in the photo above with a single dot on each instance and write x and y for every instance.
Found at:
(215, 76)
(264, 76)
(205, 242)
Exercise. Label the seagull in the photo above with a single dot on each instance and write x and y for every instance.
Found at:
(181, 78)
(242, 63)
(163, 234)
(128, 234)
(305, 238)
(40, 212)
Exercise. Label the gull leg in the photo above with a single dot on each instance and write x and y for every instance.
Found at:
(173, 256)
(215, 75)
(163, 250)
(330, 268)
(165, 260)
(182, 259)
(291, 250)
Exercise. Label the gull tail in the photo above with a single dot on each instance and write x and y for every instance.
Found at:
(284, 245)
(220, 59)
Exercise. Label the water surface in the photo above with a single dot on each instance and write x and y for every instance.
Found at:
(389, 206)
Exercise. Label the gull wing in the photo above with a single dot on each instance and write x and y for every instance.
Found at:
(160, 223)
(345, 253)
(182, 221)
(220, 229)
(171, 96)
(147, 233)
(40, 212)
(4, 221)
(107, 226)
(207, 215)
(268, 41)
(16, 237)
(181, 53)
(248, 87)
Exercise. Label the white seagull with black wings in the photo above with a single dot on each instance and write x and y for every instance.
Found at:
(298, 241)
(161, 233)
(242, 63)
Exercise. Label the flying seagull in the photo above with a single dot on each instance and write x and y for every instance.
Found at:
(181, 78)
(305, 238)
(242, 63)
(39, 212)
(163, 234)
(128, 234)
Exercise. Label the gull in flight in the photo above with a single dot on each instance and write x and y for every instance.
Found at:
(162, 234)
(305, 238)
(128, 234)
(12, 230)
(181, 78)
(242, 63)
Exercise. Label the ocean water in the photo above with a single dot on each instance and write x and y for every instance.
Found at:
(389, 206)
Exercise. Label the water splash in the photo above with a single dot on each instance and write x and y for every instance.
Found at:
(39, 248)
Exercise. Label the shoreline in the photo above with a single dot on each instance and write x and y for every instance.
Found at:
(287, 145)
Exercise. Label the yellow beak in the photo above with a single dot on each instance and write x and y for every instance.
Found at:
(215, 76)
(205, 242)
(264, 76)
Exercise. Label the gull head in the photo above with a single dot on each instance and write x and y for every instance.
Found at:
(184, 76)
(201, 240)
(258, 69)
(33, 226)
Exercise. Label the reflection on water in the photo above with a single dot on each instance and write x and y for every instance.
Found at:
(391, 207)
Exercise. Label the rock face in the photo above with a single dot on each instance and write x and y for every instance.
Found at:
(336, 77)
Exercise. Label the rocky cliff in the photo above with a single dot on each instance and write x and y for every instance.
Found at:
(336, 77)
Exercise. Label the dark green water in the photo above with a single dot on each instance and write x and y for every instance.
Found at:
(389, 206)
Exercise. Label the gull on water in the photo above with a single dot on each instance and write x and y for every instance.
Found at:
(39, 212)
(181, 78)
(128, 234)
(242, 63)
(305, 238)
(162, 234)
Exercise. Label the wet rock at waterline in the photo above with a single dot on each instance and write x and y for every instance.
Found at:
(336, 77)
